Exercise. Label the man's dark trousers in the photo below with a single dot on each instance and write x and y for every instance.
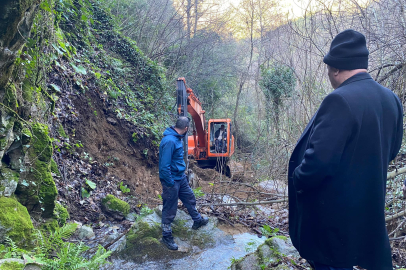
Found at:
(170, 195)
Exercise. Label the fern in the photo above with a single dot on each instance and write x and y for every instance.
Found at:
(11, 250)
(53, 253)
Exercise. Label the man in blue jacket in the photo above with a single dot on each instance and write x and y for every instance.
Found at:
(337, 171)
(174, 181)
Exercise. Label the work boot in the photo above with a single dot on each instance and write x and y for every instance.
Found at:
(200, 223)
(169, 243)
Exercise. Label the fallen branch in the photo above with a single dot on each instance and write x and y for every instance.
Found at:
(244, 203)
(397, 228)
(396, 173)
(397, 238)
(389, 218)
(115, 240)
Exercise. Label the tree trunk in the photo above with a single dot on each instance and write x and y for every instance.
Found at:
(188, 17)
(196, 16)
(16, 18)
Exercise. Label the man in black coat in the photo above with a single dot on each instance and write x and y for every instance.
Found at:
(337, 171)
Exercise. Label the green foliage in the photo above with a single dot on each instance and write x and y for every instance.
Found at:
(53, 253)
(135, 137)
(145, 211)
(10, 249)
(68, 255)
(61, 214)
(277, 83)
(62, 132)
(85, 193)
(54, 168)
(251, 246)
(124, 188)
(91, 184)
(266, 230)
(12, 266)
(198, 192)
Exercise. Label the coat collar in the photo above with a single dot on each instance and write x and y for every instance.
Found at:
(356, 77)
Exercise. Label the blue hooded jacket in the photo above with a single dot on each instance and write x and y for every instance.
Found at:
(171, 164)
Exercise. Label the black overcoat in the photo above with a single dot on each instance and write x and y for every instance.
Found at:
(337, 176)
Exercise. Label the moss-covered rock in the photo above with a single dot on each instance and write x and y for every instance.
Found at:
(10, 97)
(54, 168)
(268, 255)
(36, 189)
(41, 143)
(15, 222)
(115, 207)
(8, 181)
(26, 136)
(61, 214)
(11, 264)
(143, 240)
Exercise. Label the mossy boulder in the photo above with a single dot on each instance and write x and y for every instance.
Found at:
(268, 255)
(143, 240)
(36, 189)
(115, 207)
(11, 264)
(15, 222)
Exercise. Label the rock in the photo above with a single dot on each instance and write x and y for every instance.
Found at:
(268, 255)
(117, 246)
(15, 222)
(249, 262)
(115, 207)
(283, 245)
(131, 216)
(85, 232)
(36, 189)
(143, 240)
(8, 182)
(16, 264)
(32, 267)
(111, 121)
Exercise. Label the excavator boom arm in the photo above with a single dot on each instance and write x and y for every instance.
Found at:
(194, 107)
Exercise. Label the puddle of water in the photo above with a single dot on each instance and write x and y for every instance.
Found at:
(216, 258)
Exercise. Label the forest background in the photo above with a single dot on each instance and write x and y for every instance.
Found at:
(260, 62)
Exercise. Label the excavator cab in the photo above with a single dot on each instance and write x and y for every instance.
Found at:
(220, 140)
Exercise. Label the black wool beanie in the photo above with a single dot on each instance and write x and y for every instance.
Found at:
(348, 51)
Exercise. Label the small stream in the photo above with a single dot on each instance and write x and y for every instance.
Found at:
(215, 258)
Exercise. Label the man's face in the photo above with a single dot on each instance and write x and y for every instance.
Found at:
(186, 129)
(222, 128)
(332, 75)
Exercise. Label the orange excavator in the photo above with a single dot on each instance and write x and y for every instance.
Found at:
(208, 150)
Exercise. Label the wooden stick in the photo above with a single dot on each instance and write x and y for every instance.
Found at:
(244, 203)
(389, 218)
(396, 173)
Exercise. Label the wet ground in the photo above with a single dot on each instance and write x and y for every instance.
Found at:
(217, 258)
